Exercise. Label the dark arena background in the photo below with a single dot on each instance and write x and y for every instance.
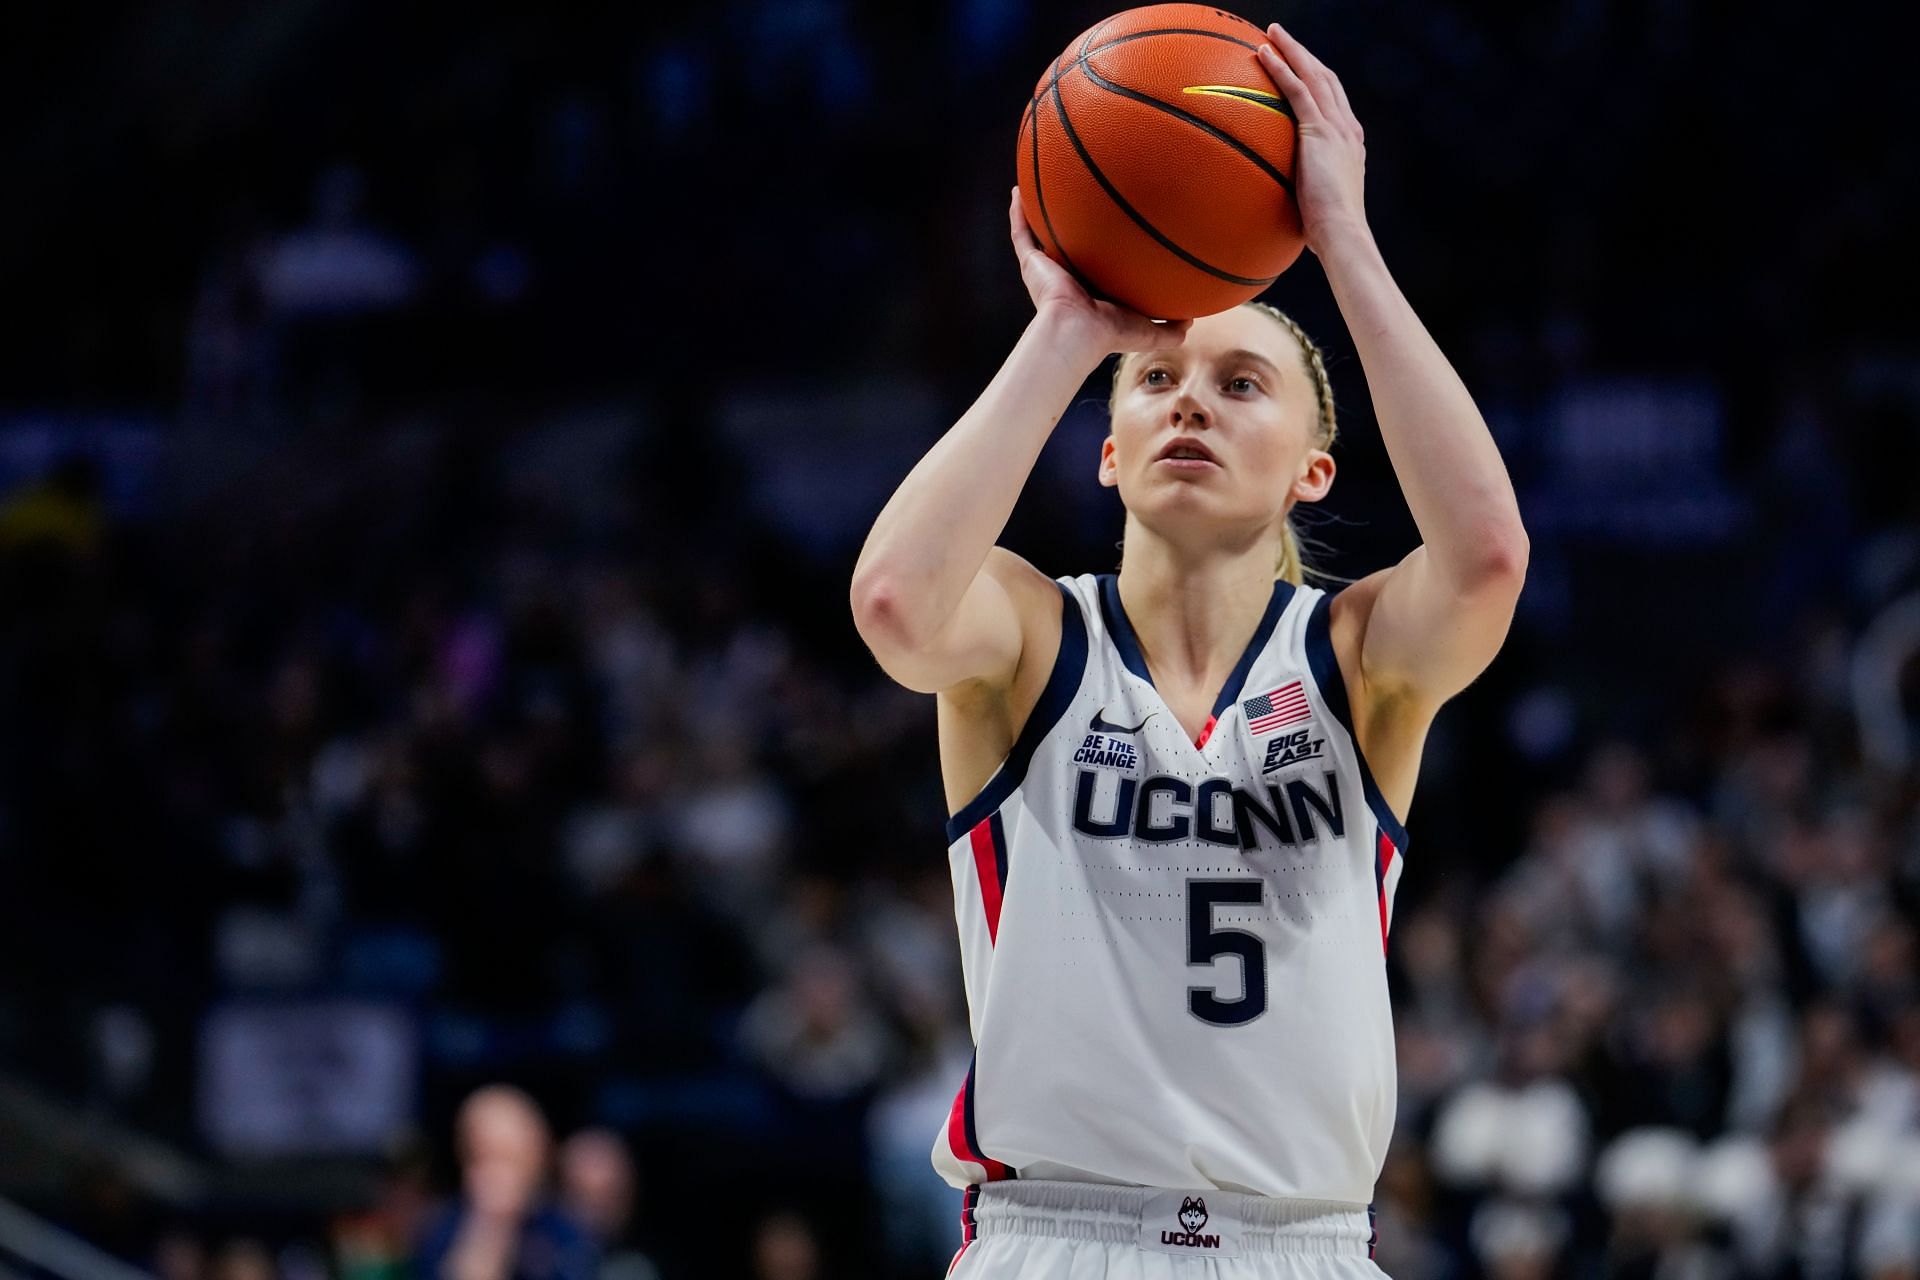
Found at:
(434, 445)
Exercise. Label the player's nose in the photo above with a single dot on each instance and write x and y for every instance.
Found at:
(1188, 411)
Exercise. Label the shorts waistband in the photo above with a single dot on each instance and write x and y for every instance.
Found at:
(1118, 1215)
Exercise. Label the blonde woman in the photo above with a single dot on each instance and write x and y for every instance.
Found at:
(1178, 791)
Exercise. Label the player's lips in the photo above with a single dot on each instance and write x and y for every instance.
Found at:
(1186, 445)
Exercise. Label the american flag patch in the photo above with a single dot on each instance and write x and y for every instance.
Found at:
(1276, 708)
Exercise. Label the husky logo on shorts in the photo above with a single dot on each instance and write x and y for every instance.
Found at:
(1178, 1221)
(1193, 1216)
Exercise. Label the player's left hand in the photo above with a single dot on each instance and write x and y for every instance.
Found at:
(1331, 167)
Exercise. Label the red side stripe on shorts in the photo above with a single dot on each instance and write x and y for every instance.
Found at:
(968, 1199)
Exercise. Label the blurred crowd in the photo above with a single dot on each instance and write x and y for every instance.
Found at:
(650, 837)
(430, 721)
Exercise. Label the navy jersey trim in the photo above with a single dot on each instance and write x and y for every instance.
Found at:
(1121, 628)
(1069, 666)
(1333, 692)
(999, 834)
(1230, 694)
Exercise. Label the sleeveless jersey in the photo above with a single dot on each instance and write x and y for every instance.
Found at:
(1174, 951)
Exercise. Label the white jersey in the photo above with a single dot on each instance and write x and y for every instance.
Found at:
(1175, 950)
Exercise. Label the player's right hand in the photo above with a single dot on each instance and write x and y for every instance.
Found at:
(1054, 291)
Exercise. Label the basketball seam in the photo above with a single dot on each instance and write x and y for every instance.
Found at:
(1113, 193)
(1046, 219)
(1086, 53)
(1093, 34)
(1135, 95)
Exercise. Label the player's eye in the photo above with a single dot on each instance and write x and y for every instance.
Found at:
(1150, 375)
(1242, 384)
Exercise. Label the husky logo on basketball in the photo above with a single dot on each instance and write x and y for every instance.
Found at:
(1193, 1216)
(1291, 748)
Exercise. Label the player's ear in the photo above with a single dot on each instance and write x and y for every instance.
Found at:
(1109, 466)
(1315, 478)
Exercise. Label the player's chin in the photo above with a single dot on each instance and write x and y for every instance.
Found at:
(1210, 479)
(1185, 504)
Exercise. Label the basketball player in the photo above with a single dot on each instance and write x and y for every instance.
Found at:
(1177, 792)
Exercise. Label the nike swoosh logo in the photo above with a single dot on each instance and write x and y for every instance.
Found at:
(1267, 101)
(1105, 726)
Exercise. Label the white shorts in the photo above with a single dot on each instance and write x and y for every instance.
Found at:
(1029, 1229)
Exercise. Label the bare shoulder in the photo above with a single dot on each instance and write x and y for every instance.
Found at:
(1390, 725)
(1035, 596)
(1035, 601)
(980, 719)
(1351, 606)
(1348, 612)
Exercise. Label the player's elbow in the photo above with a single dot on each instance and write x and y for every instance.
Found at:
(895, 643)
(1506, 555)
(1496, 565)
(879, 615)
(870, 604)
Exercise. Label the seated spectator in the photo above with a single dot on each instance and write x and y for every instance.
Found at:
(501, 1228)
(598, 1185)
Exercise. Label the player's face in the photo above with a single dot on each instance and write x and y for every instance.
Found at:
(1239, 387)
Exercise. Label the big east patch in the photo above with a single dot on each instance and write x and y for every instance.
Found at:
(1292, 748)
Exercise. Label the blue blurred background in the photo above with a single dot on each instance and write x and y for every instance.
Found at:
(434, 444)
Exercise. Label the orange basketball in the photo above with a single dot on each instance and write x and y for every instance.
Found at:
(1156, 162)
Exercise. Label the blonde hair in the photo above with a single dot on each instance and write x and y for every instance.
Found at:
(1292, 564)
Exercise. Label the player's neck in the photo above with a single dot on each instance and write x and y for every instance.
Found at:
(1192, 617)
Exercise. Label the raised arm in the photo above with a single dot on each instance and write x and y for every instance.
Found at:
(1438, 617)
(934, 599)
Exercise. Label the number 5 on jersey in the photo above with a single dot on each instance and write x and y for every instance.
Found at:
(1206, 944)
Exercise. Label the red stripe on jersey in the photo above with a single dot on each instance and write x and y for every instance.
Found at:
(1206, 731)
(985, 865)
(1383, 862)
(957, 1136)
